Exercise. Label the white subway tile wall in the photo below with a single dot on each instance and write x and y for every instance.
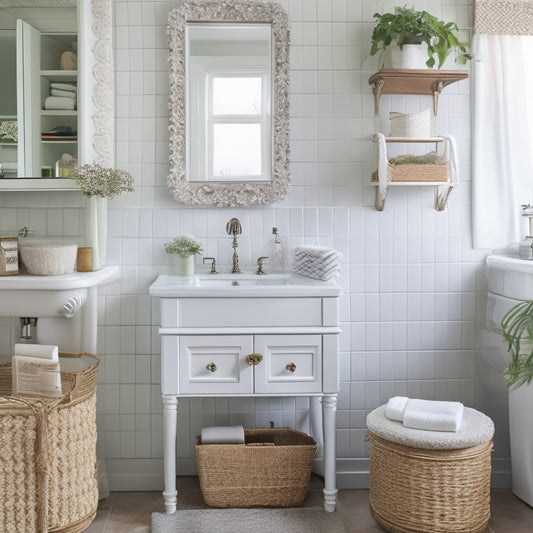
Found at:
(414, 289)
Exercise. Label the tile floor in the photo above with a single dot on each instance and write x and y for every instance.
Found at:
(129, 512)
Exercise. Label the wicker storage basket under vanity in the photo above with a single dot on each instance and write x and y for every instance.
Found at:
(48, 460)
(272, 469)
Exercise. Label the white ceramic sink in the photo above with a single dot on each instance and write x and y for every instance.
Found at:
(241, 285)
(49, 296)
(510, 276)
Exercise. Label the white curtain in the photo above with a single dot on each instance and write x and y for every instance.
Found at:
(502, 147)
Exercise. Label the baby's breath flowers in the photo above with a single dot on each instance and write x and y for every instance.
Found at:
(9, 130)
(184, 245)
(95, 180)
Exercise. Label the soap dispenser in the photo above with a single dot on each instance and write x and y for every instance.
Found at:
(276, 252)
(525, 247)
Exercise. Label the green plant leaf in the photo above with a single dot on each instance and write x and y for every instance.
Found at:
(517, 329)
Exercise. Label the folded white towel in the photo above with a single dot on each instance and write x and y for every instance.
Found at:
(45, 351)
(63, 86)
(59, 102)
(433, 415)
(396, 407)
(222, 435)
(61, 92)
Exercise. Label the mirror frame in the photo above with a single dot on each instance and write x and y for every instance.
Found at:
(227, 193)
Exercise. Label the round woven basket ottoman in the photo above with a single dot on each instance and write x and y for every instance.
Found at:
(430, 481)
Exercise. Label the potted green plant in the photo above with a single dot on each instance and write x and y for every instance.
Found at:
(406, 27)
(184, 248)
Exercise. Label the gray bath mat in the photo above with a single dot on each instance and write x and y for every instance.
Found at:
(291, 520)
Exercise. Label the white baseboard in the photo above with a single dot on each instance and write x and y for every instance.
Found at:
(147, 474)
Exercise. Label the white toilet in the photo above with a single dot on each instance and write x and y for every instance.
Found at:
(510, 281)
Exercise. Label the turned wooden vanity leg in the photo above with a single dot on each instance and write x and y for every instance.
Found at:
(170, 426)
(329, 410)
(317, 428)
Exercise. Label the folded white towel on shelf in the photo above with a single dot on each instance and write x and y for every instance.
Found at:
(60, 102)
(396, 407)
(222, 435)
(61, 92)
(63, 86)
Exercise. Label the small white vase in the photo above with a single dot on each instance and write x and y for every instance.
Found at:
(96, 229)
(410, 56)
(183, 265)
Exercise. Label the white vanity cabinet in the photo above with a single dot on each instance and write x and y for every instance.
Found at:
(267, 337)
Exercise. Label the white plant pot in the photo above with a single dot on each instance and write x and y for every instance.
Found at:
(182, 266)
(521, 436)
(410, 56)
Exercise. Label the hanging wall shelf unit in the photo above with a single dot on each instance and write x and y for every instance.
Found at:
(413, 81)
(442, 177)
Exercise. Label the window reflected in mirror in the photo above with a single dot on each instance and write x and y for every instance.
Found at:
(229, 108)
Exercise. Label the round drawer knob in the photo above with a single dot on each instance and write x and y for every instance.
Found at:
(211, 367)
(291, 367)
(254, 359)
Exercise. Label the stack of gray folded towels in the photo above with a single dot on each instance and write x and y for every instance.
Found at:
(316, 262)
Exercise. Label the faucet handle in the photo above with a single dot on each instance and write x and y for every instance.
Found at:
(260, 262)
(213, 268)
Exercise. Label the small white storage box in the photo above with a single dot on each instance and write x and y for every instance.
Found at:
(413, 125)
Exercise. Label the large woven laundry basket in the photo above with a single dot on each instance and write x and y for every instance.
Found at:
(430, 481)
(48, 460)
(272, 469)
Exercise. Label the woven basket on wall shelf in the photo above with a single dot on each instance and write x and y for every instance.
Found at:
(412, 168)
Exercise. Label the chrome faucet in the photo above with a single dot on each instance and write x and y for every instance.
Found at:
(260, 262)
(233, 227)
(213, 265)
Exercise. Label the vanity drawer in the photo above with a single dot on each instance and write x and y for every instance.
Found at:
(242, 312)
(291, 364)
(215, 364)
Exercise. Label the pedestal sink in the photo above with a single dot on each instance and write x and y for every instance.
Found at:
(56, 298)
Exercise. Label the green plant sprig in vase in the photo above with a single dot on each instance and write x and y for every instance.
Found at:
(408, 26)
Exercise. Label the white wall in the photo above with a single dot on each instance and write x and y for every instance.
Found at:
(414, 289)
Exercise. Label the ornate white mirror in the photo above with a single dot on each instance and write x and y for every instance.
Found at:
(50, 24)
(229, 103)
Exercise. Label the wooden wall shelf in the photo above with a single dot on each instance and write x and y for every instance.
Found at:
(411, 81)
